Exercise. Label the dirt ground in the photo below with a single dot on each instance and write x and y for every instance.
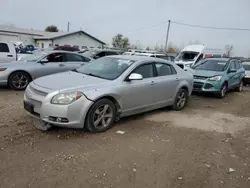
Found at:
(160, 149)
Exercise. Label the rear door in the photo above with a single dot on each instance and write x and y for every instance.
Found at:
(5, 53)
(166, 82)
(74, 61)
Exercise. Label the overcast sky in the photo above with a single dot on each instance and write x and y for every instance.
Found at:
(134, 18)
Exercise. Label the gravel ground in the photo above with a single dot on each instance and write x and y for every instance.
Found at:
(206, 145)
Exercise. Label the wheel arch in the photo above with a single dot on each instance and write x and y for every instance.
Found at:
(111, 98)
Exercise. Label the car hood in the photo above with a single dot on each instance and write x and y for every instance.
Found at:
(207, 73)
(70, 81)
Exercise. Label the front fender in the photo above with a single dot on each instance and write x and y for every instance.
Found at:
(96, 94)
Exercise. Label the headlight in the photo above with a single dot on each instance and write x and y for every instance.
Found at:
(215, 78)
(66, 98)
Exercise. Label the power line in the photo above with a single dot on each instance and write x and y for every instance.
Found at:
(211, 27)
(146, 28)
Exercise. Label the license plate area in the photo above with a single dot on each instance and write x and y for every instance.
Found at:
(28, 106)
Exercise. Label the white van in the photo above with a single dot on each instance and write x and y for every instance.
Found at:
(192, 54)
(7, 52)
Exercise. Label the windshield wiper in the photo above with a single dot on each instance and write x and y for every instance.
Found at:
(90, 74)
(75, 70)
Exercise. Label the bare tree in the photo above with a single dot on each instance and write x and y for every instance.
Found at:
(228, 50)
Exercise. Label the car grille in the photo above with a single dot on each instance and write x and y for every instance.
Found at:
(200, 77)
(208, 86)
(37, 92)
(198, 86)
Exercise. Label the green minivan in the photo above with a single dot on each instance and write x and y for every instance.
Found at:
(218, 75)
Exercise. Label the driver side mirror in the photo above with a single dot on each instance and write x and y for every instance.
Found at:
(134, 76)
(44, 60)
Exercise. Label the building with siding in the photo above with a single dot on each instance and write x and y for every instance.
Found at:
(44, 39)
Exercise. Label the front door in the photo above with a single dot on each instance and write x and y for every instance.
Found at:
(137, 94)
(51, 64)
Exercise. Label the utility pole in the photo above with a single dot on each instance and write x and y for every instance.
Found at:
(166, 45)
(68, 27)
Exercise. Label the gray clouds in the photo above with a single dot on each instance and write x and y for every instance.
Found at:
(106, 18)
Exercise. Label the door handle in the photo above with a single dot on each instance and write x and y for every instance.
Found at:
(152, 83)
(177, 79)
(9, 55)
(61, 65)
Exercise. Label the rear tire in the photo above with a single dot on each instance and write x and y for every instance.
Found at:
(181, 100)
(240, 87)
(19, 80)
(101, 116)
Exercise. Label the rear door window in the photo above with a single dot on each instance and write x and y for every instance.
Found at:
(232, 65)
(111, 53)
(74, 57)
(164, 69)
(4, 48)
(237, 65)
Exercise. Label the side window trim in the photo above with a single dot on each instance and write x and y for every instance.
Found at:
(171, 69)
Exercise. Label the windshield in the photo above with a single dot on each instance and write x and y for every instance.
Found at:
(211, 65)
(246, 67)
(106, 67)
(187, 56)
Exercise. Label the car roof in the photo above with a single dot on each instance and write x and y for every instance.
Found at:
(134, 57)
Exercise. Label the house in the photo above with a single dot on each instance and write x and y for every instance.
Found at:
(44, 39)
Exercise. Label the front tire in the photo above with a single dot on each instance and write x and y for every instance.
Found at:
(223, 91)
(19, 80)
(101, 116)
(180, 100)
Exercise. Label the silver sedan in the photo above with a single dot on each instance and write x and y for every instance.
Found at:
(99, 93)
(17, 75)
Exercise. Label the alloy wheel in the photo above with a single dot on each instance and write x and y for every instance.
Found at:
(181, 99)
(20, 81)
(103, 116)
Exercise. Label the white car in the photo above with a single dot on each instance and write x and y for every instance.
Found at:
(7, 52)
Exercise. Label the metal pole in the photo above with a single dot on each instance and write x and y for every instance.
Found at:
(166, 45)
(68, 27)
